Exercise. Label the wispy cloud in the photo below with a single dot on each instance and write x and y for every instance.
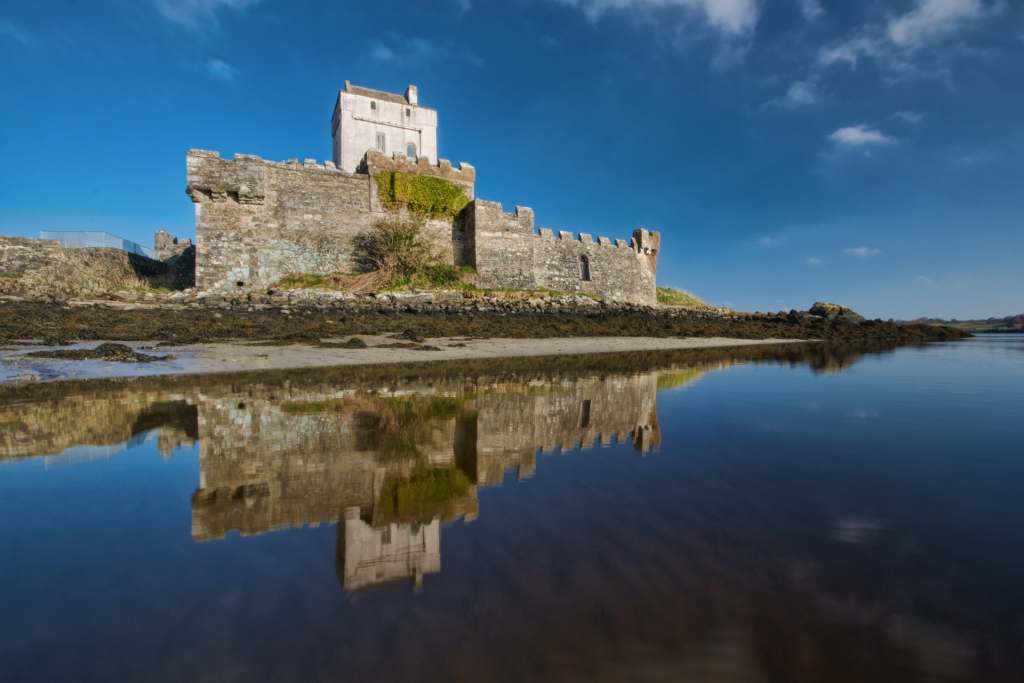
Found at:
(381, 52)
(862, 252)
(14, 32)
(463, 6)
(911, 117)
(733, 17)
(812, 10)
(932, 20)
(860, 135)
(221, 70)
(401, 49)
(897, 44)
(798, 94)
(770, 242)
(973, 157)
(814, 261)
(196, 13)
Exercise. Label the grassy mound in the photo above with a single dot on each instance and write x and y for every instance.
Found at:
(670, 296)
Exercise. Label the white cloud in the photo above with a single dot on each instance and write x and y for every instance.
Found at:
(862, 252)
(931, 20)
(382, 53)
(860, 136)
(195, 13)
(8, 29)
(974, 157)
(464, 6)
(732, 17)
(896, 44)
(403, 49)
(798, 94)
(221, 70)
(811, 9)
(911, 117)
(814, 261)
(770, 242)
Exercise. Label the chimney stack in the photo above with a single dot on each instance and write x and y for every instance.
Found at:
(411, 96)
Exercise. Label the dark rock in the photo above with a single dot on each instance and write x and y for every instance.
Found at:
(410, 335)
(835, 312)
(111, 352)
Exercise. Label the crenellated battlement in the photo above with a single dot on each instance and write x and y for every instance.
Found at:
(464, 174)
(508, 252)
(521, 218)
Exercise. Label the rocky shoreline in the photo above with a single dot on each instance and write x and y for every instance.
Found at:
(310, 316)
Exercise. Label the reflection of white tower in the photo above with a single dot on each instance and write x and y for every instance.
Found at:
(390, 553)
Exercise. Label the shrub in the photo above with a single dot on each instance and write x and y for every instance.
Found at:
(423, 196)
(423, 496)
(396, 248)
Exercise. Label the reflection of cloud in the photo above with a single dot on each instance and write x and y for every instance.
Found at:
(855, 530)
(864, 414)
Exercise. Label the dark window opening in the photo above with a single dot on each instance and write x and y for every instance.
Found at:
(584, 268)
(373, 106)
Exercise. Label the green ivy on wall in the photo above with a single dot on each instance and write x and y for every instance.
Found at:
(422, 195)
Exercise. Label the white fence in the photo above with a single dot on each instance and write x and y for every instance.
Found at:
(95, 238)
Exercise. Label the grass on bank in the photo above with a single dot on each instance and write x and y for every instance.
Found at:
(9, 275)
(670, 296)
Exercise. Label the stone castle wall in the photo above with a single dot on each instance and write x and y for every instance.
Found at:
(509, 253)
(257, 220)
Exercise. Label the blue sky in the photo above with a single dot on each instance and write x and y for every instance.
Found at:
(788, 150)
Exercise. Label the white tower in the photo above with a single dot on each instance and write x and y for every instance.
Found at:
(366, 119)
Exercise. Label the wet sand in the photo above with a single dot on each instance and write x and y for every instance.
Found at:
(213, 358)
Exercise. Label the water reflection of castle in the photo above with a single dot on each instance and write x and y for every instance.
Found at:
(390, 468)
(392, 465)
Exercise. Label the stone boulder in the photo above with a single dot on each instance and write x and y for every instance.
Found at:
(824, 309)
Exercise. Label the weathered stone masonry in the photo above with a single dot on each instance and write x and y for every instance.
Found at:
(509, 253)
(258, 221)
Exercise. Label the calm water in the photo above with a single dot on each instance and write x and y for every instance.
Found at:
(858, 518)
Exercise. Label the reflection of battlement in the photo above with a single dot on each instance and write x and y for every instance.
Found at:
(369, 556)
(50, 428)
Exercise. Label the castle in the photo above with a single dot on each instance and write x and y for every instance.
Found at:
(258, 221)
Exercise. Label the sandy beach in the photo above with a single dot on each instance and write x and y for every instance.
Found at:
(211, 358)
